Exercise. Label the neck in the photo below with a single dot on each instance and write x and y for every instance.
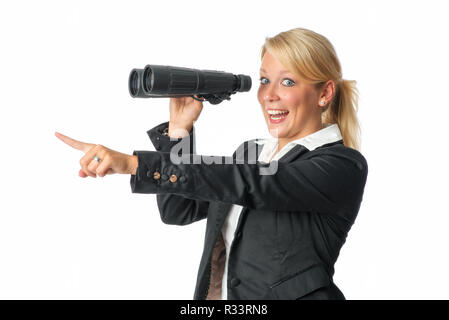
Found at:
(282, 142)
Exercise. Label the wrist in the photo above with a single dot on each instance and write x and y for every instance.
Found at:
(178, 130)
(133, 164)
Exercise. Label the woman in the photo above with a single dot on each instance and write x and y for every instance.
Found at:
(275, 226)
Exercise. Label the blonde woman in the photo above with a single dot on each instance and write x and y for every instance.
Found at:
(278, 211)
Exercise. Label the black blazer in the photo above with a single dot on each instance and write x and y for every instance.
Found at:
(293, 224)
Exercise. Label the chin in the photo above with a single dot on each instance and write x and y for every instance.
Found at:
(276, 132)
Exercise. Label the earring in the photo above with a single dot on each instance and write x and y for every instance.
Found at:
(322, 102)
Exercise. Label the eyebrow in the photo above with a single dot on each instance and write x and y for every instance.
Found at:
(285, 71)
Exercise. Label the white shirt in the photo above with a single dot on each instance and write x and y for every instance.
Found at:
(330, 133)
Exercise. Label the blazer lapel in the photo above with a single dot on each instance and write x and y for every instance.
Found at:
(293, 154)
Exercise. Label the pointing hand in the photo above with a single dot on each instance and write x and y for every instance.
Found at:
(109, 162)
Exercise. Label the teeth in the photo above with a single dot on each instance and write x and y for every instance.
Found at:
(271, 112)
(278, 117)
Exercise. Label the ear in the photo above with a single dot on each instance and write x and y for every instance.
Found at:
(328, 91)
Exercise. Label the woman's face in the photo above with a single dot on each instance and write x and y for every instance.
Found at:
(282, 91)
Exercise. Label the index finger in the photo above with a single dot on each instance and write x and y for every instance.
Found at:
(83, 146)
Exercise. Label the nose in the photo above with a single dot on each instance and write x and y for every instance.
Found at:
(270, 93)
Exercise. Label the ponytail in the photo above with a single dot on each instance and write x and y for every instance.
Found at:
(343, 111)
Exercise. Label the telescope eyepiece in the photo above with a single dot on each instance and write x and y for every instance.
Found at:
(244, 83)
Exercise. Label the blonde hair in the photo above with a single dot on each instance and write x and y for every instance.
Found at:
(312, 57)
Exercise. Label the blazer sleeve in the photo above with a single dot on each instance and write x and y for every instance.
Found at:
(176, 209)
(329, 182)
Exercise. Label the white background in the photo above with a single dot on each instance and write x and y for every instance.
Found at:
(64, 67)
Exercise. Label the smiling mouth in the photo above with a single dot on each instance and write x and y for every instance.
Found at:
(277, 115)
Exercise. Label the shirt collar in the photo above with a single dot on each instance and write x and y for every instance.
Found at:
(330, 133)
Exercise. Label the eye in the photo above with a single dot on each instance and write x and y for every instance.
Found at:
(262, 80)
(288, 82)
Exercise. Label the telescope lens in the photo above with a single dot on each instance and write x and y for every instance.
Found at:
(134, 83)
(147, 81)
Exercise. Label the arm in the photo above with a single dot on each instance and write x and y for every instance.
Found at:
(176, 209)
(330, 182)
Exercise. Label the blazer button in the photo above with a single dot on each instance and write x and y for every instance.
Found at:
(156, 175)
(164, 177)
(173, 178)
(149, 174)
(182, 179)
(235, 282)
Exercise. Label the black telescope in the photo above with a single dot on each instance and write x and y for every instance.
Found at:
(156, 81)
